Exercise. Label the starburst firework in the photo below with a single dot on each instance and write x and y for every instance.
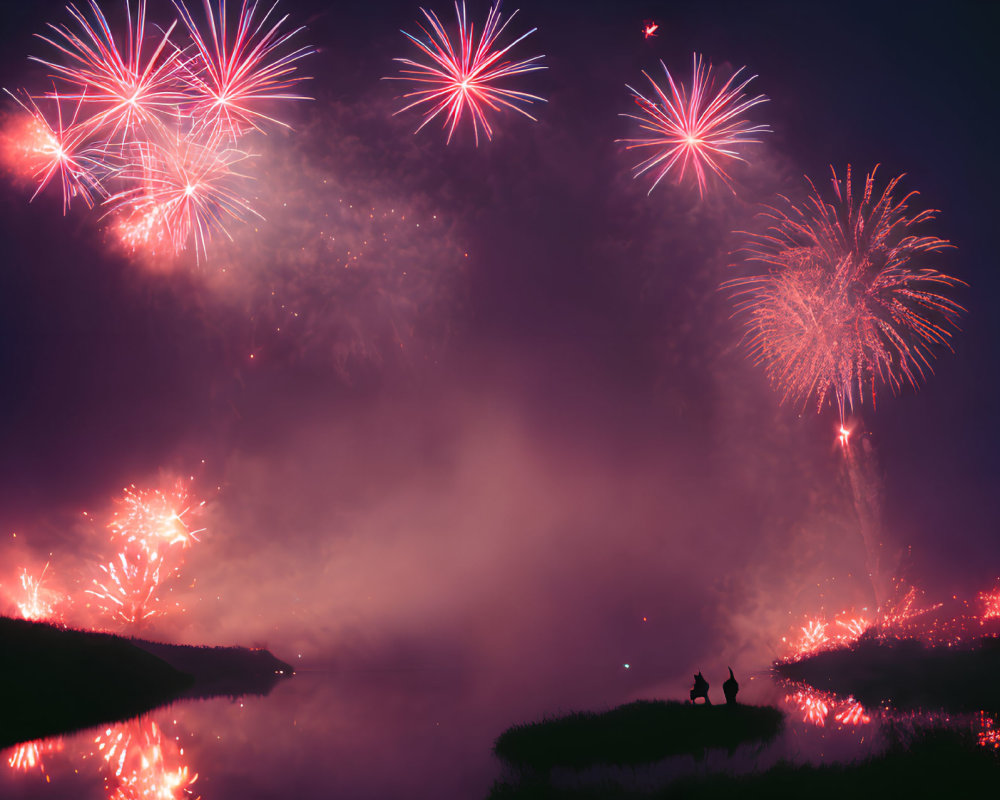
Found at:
(181, 192)
(46, 151)
(465, 78)
(842, 308)
(129, 91)
(235, 74)
(697, 129)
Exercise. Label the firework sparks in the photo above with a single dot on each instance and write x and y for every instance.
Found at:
(233, 77)
(694, 130)
(649, 29)
(45, 150)
(130, 92)
(465, 79)
(181, 193)
(37, 603)
(991, 604)
(28, 756)
(841, 309)
(141, 762)
(155, 517)
(149, 529)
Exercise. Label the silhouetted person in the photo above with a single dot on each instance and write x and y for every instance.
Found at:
(729, 688)
(700, 689)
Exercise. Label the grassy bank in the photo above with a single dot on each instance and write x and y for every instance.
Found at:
(54, 680)
(638, 733)
(939, 764)
(907, 674)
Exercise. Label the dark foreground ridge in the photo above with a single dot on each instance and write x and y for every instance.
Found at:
(54, 680)
(907, 674)
(939, 764)
(642, 732)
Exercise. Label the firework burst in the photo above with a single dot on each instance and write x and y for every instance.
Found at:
(180, 193)
(697, 129)
(232, 77)
(149, 529)
(130, 92)
(841, 308)
(465, 78)
(37, 603)
(58, 150)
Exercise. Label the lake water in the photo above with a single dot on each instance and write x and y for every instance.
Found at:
(378, 734)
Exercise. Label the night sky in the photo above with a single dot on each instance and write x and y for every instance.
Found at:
(520, 421)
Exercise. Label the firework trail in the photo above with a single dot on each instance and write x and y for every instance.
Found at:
(28, 756)
(232, 77)
(465, 78)
(694, 129)
(841, 308)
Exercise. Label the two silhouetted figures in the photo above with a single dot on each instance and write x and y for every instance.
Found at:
(729, 688)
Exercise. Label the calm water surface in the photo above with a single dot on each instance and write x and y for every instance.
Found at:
(380, 734)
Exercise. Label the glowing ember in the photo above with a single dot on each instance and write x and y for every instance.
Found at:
(991, 604)
(695, 129)
(465, 78)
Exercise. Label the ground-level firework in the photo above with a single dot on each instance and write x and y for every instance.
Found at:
(848, 302)
(696, 130)
(466, 77)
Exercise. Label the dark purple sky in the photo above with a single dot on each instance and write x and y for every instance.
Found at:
(544, 429)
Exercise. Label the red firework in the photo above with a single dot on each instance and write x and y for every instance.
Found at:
(842, 308)
(47, 151)
(694, 129)
(182, 192)
(234, 74)
(129, 91)
(465, 78)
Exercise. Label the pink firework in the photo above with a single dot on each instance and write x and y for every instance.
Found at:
(128, 590)
(465, 78)
(235, 74)
(181, 193)
(36, 603)
(57, 150)
(130, 92)
(143, 763)
(991, 604)
(842, 308)
(155, 518)
(697, 129)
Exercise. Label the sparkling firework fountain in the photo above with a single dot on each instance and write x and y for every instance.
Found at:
(150, 531)
(155, 123)
(842, 310)
(465, 78)
(697, 129)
